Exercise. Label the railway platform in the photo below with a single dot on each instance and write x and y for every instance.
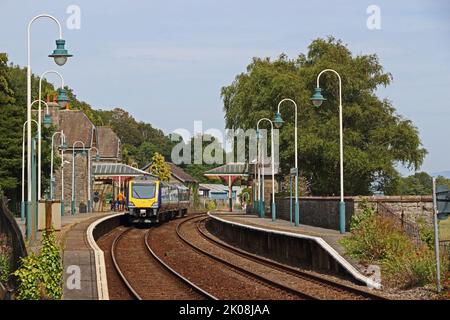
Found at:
(317, 248)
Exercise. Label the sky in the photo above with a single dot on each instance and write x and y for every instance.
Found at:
(166, 61)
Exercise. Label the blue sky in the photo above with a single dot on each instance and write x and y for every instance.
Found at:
(165, 61)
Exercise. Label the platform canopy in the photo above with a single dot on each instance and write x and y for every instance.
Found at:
(229, 173)
(234, 169)
(115, 170)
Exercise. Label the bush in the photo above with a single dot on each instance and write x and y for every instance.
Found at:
(40, 276)
(376, 239)
(211, 205)
(5, 257)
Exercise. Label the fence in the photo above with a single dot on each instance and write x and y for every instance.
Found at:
(10, 229)
(407, 227)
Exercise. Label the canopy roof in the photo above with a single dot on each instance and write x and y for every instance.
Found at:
(230, 169)
(104, 170)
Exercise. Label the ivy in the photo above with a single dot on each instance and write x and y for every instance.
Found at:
(40, 276)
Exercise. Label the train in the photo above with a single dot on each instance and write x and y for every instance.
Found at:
(149, 200)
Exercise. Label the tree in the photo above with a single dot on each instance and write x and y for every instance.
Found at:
(160, 168)
(376, 138)
(419, 183)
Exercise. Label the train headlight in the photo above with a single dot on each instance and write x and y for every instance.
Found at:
(131, 204)
(155, 205)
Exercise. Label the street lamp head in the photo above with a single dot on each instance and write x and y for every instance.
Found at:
(97, 157)
(278, 121)
(62, 99)
(317, 97)
(47, 120)
(60, 54)
(83, 153)
(63, 146)
(258, 134)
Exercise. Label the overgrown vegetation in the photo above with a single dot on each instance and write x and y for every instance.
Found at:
(378, 240)
(5, 256)
(40, 275)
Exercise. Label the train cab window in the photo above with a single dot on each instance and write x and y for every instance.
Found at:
(143, 190)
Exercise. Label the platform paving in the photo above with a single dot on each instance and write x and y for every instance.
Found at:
(330, 236)
(80, 281)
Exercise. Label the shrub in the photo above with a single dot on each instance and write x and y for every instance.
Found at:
(211, 205)
(377, 239)
(40, 276)
(5, 257)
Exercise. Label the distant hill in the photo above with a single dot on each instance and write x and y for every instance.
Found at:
(445, 174)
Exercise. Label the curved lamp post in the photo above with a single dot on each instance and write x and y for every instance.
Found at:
(62, 146)
(60, 56)
(23, 204)
(73, 173)
(273, 167)
(317, 100)
(278, 122)
(62, 100)
(97, 158)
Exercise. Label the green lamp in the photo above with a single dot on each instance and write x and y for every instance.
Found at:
(60, 54)
(317, 97)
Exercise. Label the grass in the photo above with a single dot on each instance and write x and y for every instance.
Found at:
(444, 230)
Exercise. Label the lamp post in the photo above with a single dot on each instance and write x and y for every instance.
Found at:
(62, 100)
(60, 56)
(62, 146)
(273, 166)
(97, 158)
(23, 204)
(73, 172)
(317, 100)
(278, 122)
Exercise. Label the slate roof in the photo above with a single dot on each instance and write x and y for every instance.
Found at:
(108, 142)
(180, 174)
(77, 127)
(177, 172)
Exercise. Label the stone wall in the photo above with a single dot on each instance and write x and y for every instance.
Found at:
(81, 182)
(324, 211)
(407, 208)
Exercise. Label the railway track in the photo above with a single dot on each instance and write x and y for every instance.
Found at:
(143, 277)
(245, 272)
(311, 282)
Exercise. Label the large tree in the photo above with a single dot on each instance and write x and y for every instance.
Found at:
(376, 138)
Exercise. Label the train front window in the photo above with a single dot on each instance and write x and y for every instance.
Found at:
(143, 191)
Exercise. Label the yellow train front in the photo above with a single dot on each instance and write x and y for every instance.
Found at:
(154, 201)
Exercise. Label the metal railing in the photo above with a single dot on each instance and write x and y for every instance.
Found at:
(10, 229)
(399, 220)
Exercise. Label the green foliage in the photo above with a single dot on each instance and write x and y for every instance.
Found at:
(418, 184)
(160, 168)
(211, 205)
(426, 232)
(5, 257)
(40, 276)
(246, 195)
(375, 137)
(375, 239)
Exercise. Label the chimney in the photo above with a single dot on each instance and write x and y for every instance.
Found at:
(48, 98)
(54, 98)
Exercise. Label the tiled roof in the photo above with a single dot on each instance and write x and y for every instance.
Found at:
(177, 172)
(180, 174)
(108, 142)
(77, 127)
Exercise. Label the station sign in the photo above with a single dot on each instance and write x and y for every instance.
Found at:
(443, 202)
